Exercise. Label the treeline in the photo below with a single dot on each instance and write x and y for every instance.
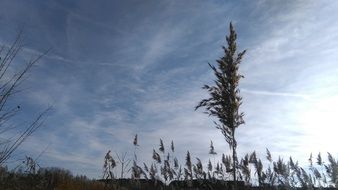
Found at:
(46, 179)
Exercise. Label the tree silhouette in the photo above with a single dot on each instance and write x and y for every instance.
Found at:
(225, 100)
(9, 86)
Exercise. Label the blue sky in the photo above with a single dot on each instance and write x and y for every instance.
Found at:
(117, 68)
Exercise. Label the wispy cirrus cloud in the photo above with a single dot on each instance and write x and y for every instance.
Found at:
(118, 69)
(271, 93)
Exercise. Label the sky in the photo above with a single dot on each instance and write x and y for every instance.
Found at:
(120, 68)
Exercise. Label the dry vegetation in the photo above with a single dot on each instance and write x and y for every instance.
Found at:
(166, 172)
(251, 172)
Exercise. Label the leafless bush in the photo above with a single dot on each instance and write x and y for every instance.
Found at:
(9, 83)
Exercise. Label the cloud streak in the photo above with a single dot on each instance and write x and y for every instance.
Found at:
(121, 69)
(270, 93)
